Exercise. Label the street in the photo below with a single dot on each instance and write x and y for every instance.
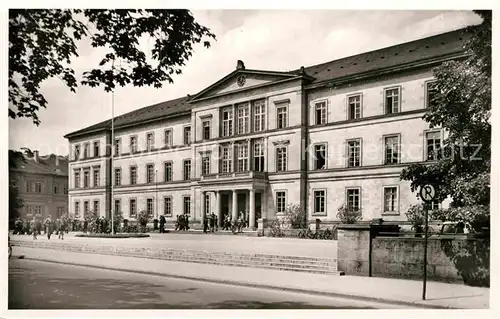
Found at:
(45, 285)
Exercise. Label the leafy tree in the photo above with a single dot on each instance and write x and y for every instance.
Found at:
(42, 44)
(461, 105)
(16, 159)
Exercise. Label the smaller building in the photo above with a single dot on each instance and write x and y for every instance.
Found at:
(43, 185)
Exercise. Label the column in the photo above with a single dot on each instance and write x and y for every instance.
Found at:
(249, 155)
(202, 206)
(234, 157)
(252, 209)
(235, 205)
(217, 207)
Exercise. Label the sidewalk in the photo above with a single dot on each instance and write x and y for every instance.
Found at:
(209, 242)
(392, 291)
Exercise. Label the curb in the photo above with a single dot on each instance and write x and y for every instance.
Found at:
(250, 285)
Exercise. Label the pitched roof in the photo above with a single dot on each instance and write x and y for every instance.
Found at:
(164, 109)
(401, 54)
(51, 164)
(421, 49)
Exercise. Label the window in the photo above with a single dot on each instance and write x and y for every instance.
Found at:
(150, 141)
(242, 157)
(392, 150)
(258, 153)
(319, 202)
(133, 207)
(38, 210)
(96, 149)
(187, 170)
(60, 212)
(168, 172)
(97, 176)
(227, 121)
(77, 152)
(150, 173)
(38, 187)
(86, 178)
(282, 112)
(118, 176)
(187, 205)
(168, 138)
(86, 150)
(280, 202)
(133, 144)
(187, 135)
(66, 189)
(118, 143)
(28, 187)
(431, 92)
(118, 206)
(354, 153)
(206, 130)
(167, 202)
(133, 175)
(354, 107)
(77, 179)
(207, 204)
(392, 101)
(77, 209)
(56, 189)
(320, 156)
(205, 165)
(390, 199)
(86, 208)
(96, 207)
(281, 159)
(243, 110)
(320, 113)
(259, 111)
(226, 159)
(29, 210)
(433, 140)
(149, 207)
(353, 199)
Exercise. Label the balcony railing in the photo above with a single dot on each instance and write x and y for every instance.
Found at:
(234, 175)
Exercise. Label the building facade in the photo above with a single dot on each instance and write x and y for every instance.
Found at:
(42, 182)
(256, 141)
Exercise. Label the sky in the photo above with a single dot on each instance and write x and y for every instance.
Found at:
(280, 40)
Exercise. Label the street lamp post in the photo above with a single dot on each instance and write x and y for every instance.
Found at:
(112, 155)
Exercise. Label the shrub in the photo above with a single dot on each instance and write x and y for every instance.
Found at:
(276, 229)
(295, 216)
(475, 218)
(416, 215)
(348, 215)
(143, 219)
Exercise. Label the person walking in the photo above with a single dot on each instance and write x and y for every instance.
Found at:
(216, 222)
(205, 223)
(162, 224)
(48, 227)
(57, 225)
(61, 230)
(33, 228)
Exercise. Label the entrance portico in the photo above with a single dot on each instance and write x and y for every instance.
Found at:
(250, 202)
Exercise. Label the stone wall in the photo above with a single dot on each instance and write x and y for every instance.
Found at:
(404, 258)
(464, 259)
(353, 249)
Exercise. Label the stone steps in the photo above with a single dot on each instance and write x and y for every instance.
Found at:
(279, 262)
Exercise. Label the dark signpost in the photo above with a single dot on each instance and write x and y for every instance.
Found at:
(427, 194)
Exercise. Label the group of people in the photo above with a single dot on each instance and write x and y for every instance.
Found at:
(60, 226)
(182, 222)
(210, 223)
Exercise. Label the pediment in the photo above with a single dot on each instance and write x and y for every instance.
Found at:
(241, 80)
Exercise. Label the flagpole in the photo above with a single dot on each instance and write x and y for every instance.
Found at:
(112, 154)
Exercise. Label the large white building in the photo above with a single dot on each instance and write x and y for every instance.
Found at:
(257, 141)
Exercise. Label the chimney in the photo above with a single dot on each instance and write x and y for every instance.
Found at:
(240, 65)
(36, 156)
